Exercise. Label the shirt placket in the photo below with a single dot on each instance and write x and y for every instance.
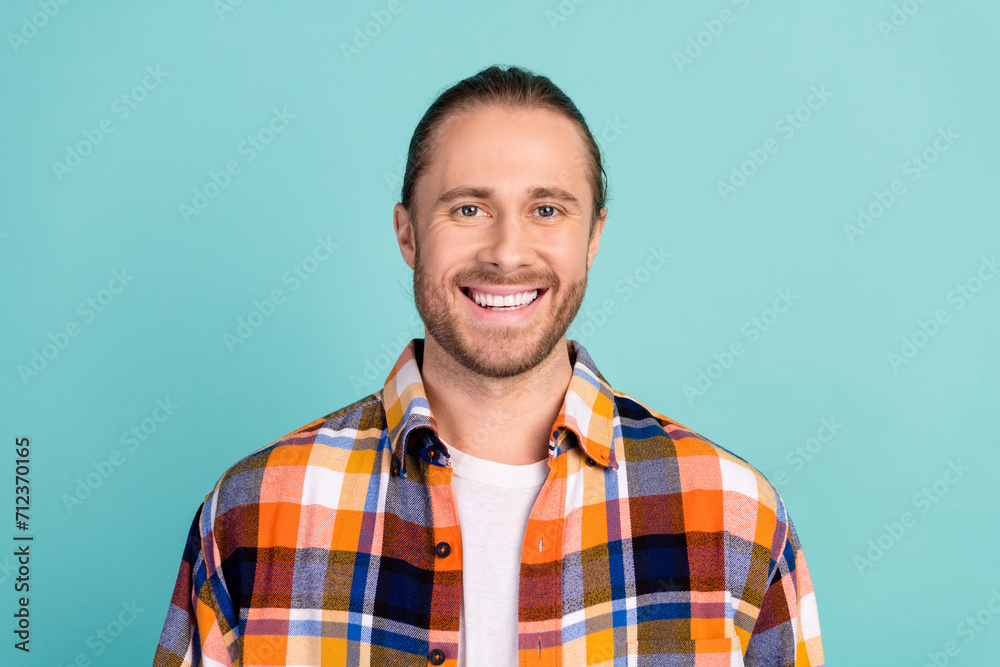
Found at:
(540, 588)
(446, 596)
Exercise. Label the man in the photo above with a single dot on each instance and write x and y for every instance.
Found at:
(496, 502)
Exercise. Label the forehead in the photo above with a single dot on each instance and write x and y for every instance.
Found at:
(510, 150)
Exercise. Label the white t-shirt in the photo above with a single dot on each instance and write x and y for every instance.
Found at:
(494, 501)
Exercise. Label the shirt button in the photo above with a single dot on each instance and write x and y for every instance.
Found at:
(442, 549)
(394, 468)
(591, 462)
(432, 453)
(436, 657)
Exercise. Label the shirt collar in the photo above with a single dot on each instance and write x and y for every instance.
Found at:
(586, 417)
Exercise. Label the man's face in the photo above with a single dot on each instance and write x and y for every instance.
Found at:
(500, 219)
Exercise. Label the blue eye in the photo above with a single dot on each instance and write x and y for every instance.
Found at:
(551, 211)
(465, 208)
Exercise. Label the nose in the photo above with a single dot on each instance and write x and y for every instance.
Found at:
(507, 244)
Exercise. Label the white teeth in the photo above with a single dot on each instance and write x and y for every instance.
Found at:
(508, 302)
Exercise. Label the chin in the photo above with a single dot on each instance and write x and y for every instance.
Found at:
(499, 354)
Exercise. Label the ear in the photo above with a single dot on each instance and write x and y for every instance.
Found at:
(404, 234)
(595, 237)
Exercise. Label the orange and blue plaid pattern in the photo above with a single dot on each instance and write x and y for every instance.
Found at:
(339, 544)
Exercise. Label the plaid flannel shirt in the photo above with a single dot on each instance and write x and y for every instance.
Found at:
(339, 544)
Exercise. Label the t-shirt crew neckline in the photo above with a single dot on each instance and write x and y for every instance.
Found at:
(474, 468)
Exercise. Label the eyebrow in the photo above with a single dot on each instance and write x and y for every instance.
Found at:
(474, 192)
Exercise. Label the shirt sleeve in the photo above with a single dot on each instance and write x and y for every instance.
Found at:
(196, 632)
(787, 630)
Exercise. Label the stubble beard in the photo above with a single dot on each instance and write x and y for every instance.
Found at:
(496, 351)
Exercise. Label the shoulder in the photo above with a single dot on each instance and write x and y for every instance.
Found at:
(277, 471)
(700, 464)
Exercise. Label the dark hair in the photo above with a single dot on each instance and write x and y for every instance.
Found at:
(511, 88)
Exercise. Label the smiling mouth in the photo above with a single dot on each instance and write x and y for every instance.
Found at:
(502, 302)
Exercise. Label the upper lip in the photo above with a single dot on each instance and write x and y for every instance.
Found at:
(502, 290)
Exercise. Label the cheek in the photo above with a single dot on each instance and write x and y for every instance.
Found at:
(444, 256)
(570, 263)
(438, 270)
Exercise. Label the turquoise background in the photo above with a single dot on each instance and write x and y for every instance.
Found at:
(333, 173)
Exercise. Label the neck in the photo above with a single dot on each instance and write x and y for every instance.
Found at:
(499, 419)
